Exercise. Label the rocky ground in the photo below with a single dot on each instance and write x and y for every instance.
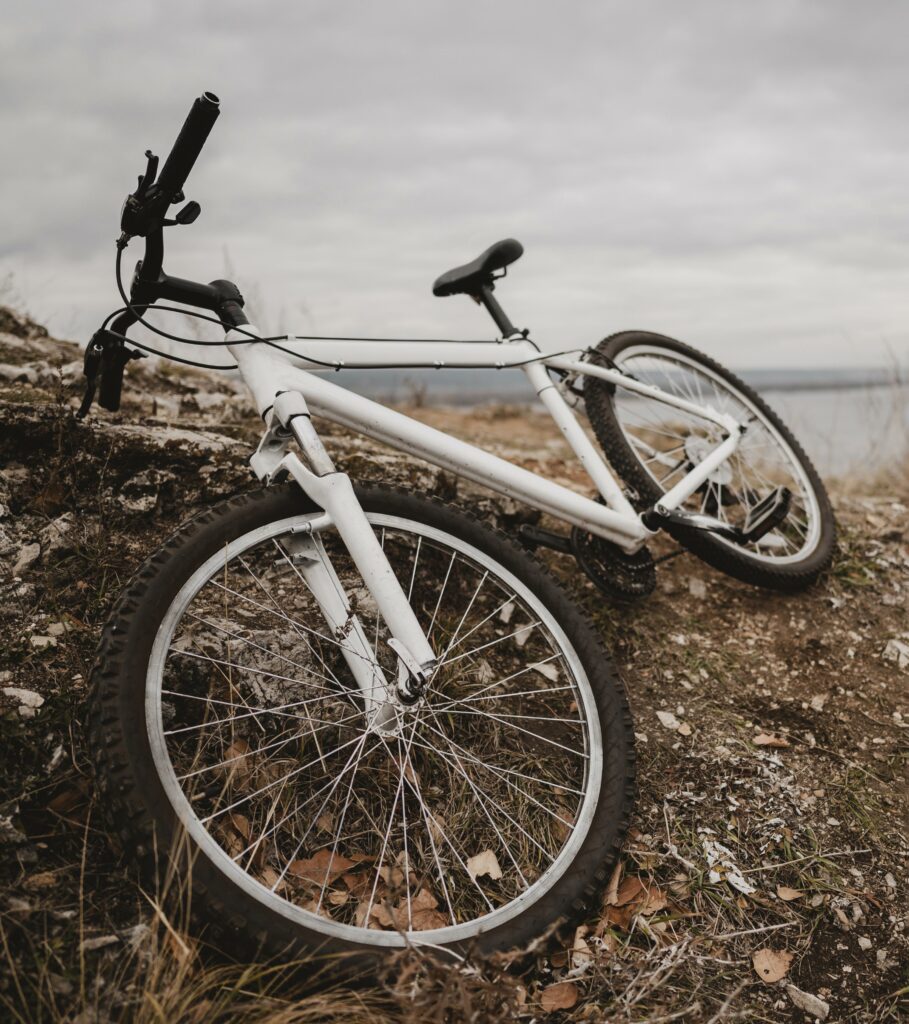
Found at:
(767, 873)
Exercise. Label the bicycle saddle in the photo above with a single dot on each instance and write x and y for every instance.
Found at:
(471, 276)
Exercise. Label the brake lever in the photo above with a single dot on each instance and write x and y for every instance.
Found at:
(105, 360)
(143, 210)
(147, 179)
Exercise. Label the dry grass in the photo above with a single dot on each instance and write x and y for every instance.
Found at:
(821, 814)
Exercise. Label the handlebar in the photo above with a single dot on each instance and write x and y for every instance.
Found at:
(145, 210)
(144, 214)
(202, 116)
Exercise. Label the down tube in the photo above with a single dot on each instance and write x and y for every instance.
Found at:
(405, 434)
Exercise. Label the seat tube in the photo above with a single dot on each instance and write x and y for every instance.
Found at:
(580, 443)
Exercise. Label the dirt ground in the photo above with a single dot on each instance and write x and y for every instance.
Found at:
(767, 872)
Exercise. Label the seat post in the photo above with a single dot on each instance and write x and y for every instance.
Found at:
(484, 295)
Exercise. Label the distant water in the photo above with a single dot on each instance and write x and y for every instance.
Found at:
(844, 430)
(846, 420)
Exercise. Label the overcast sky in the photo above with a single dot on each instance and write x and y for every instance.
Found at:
(734, 174)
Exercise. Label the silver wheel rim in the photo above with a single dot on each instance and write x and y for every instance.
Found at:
(585, 804)
(805, 517)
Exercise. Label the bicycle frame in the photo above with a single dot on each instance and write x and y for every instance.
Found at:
(285, 394)
(616, 520)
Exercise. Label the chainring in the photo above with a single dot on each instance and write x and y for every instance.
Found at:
(620, 576)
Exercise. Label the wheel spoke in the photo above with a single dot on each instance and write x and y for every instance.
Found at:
(311, 781)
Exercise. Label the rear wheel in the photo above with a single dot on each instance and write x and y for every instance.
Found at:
(653, 445)
(224, 714)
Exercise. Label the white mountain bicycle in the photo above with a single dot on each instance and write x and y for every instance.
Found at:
(366, 718)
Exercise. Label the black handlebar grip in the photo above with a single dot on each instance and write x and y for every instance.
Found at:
(186, 149)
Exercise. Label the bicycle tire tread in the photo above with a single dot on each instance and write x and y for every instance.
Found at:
(126, 807)
(723, 557)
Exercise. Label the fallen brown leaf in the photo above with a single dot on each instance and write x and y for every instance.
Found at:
(771, 964)
(653, 900)
(563, 995)
(630, 889)
(581, 954)
(241, 823)
(424, 920)
(321, 867)
(42, 880)
(612, 889)
(787, 894)
(423, 900)
(767, 739)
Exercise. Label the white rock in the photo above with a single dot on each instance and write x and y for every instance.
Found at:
(522, 634)
(864, 943)
(9, 371)
(29, 701)
(697, 588)
(547, 670)
(668, 719)
(42, 643)
(808, 1002)
(27, 557)
(897, 651)
(55, 535)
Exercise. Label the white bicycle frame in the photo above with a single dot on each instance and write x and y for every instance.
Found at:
(286, 392)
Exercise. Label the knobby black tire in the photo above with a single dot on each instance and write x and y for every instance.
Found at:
(723, 555)
(143, 820)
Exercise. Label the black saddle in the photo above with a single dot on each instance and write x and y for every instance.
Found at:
(472, 276)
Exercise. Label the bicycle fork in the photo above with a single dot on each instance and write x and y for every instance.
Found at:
(333, 492)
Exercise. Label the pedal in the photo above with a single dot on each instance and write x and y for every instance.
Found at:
(533, 537)
(767, 515)
(764, 517)
(658, 518)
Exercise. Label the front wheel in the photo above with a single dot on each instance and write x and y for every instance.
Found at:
(653, 445)
(226, 724)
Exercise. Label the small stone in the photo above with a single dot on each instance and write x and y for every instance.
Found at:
(27, 557)
(897, 651)
(56, 535)
(668, 720)
(809, 1003)
(864, 943)
(41, 642)
(29, 701)
(697, 588)
(98, 942)
(890, 880)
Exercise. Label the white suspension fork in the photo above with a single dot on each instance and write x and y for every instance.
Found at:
(333, 491)
(307, 552)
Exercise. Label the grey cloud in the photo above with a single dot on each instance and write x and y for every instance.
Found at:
(734, 174)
